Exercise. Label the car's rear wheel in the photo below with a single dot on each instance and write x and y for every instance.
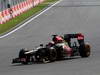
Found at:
(86, 51)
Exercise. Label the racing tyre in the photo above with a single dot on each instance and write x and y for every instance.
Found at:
(85, 52)
(42, 55)
(53, 55)
(22, 55)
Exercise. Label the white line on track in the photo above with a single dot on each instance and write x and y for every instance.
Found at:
(30, 20)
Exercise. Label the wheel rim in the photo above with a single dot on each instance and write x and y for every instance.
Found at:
(45, 60)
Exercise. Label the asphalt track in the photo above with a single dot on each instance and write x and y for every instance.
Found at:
(69, 16)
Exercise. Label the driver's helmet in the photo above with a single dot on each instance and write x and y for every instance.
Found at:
(58, 39)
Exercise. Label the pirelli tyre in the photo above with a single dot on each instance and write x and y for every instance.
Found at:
(42, 55)
(85, 50)
(22, 55)
(53, 55)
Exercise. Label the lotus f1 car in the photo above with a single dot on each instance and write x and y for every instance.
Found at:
(55, 51)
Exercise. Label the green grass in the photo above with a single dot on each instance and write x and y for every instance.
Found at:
(15, 21)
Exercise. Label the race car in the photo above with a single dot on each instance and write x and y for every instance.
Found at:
(39, 54)
(59, 48)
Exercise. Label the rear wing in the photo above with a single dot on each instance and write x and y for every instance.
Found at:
(78, 36)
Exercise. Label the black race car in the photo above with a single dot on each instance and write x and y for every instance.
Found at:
(40, 54)
(52, 52)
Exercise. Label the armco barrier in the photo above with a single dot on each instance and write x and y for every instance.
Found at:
(16, 10)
